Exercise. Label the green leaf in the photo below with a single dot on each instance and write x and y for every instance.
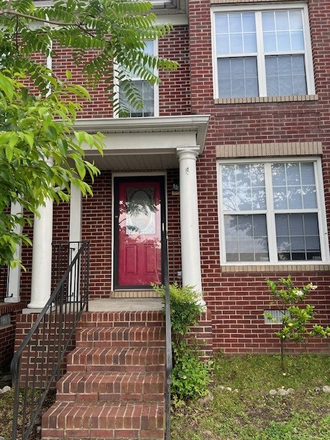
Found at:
(7, 86)
(26, 137)
(39, 125)
(63, 146)
(80, 167)
(51, 133)
(9, 152)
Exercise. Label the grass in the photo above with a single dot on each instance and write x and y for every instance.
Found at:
(247, 411)
(6, 414)
(6, 411)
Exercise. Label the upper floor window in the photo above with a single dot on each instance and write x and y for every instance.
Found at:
(263, 52)
(272, 212)
(148, 91)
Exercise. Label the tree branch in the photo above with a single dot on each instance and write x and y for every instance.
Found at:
(31, 17)
(42, 20)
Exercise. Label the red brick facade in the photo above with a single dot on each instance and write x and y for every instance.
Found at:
(34, 369)
(236, 298)
(7, 332)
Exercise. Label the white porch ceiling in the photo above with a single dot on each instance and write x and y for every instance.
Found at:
(144, 143)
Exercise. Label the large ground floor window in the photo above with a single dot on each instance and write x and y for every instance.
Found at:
(272, 212)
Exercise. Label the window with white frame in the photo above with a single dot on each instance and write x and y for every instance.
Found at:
(148, 91)
(262, 52)
(272, 212)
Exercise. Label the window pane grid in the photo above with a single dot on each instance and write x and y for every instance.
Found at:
(260, 198)
(285, 75)
(238, 77)
(297, 237)
(147, 94)
(244, 187)
(276, 38)
(146, 89)
(283, 31)
(246, 238)
(235, 33)
(294, 186)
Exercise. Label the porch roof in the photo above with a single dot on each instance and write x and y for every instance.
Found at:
(137, 144)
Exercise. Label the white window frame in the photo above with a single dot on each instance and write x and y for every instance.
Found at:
(261, 70)
(270, 213)
(156, 87)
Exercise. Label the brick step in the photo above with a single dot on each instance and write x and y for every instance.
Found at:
(123, 319)
(121, 337)
(72, 420)
(105, 386)
(114, 385)
(116, 359)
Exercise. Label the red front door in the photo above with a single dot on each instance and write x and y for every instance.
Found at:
(138, 235)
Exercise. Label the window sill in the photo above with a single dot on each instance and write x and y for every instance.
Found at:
(313, 267)
(265, 99)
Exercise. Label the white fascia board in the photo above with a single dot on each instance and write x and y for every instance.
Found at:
(147, 143)
(166, 15)
(173, 19)
(196, 124)
(43, 2)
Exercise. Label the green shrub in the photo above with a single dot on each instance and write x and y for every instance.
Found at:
(185, 309)
(190, 375)
(296, 314)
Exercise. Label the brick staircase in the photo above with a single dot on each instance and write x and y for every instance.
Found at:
(115, 380)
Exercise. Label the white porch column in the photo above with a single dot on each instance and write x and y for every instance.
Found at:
(42, 256)
(190, 248)
(75, 235)
(75, 213)
(13, 293)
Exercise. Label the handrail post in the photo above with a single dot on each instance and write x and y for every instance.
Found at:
(15, 383)
(168, 347)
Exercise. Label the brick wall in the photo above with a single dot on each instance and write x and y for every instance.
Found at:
(97, 228)
(61, 221)
(39, 358)
(203, 333)
(173, 218)
(7, 333)
(174, 89)
(238, 299)
(36, 367)
(99, 106)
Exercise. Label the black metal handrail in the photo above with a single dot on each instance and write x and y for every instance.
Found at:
(169, 362)
(48, 340)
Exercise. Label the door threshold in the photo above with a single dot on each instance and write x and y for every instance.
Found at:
(125, 305)
(134, 294)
